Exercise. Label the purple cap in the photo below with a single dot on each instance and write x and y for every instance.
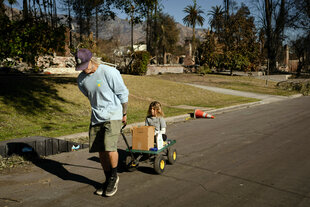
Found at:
(82, 58)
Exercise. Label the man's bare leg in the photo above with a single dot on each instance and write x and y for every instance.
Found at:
(113, 157)
(114, 179)
(106, 166)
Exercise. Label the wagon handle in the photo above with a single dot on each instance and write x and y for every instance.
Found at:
(128, 147)
(123, 127)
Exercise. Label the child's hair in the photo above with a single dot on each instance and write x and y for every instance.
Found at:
(158, 109)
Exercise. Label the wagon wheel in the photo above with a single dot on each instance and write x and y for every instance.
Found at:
(159, 164)
(172, 155)
(131, 165)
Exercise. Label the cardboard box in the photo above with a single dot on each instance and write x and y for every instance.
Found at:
(143, 137)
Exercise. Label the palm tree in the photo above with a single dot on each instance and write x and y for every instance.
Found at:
(194, 17)
(217, 18)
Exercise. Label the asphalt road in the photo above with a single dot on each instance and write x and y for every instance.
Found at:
(258, 156)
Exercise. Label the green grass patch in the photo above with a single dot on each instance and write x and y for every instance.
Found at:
(53, 105)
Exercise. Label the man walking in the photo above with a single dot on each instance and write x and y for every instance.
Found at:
(108, 96)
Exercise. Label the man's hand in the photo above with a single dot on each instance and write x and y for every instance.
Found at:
(124, 120)
(124, 105)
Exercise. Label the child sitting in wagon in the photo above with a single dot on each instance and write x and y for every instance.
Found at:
(155, 117)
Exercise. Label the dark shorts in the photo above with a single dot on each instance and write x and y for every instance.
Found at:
(104, 136)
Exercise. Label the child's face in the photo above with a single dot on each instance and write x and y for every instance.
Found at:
(153, 111)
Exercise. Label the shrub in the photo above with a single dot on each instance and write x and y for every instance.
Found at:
(205, 69)
(302, 87)
(27, 40)
(234, 60)
(106, 58)
(140, 61)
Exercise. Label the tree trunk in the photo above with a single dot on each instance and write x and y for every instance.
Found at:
(45, 11)
(69, 22)
(227, 9)
(147, 30)
(50, 11)
(272, 54)
(25, 9)
(155, 34)
(274, 36)
(97, 27)
(40, 9)
(269, 34)
(34, 9)
(164, 55)
(80, 21)
(194, 42)
(55, 13)
(88, 15)
(299, 67)
(132, 33)
(29, 7)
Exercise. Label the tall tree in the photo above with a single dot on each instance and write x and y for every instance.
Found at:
(147, 9)
(194, 17)
(237, 44)
(245, 32)
(168, 34)
(154, 29)
(299, 47)
(103, 11)
(300, 44)
(276, 16)
(67, 8)
(217, 19)
(139, 10)
(54, 14)
(133, 11)
(88, 11)
(241, 42)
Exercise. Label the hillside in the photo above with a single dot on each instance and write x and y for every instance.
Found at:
(122, 29)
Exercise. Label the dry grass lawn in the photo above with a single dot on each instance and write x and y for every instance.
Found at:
(241, 83)
(53, 105)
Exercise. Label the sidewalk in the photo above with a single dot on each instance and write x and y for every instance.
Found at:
(265, 98)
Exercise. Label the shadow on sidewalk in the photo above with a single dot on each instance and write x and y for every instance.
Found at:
(58, 169)
(121, 160)
(52, 166)
(148, 169)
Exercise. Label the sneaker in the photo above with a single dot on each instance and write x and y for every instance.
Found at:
(112, 186)
(101, 190)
